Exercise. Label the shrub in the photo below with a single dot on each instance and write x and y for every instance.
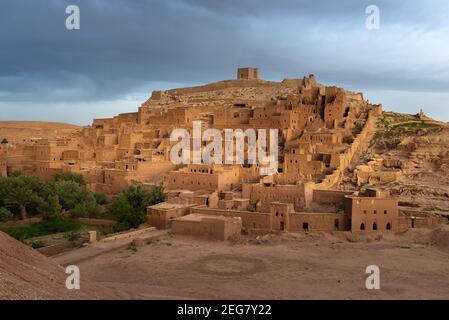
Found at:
(72, 236)
(37, 244)
(5, 215)
(100, 198)
(70, 176)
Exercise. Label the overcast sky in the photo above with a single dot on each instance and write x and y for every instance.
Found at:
(127, 48)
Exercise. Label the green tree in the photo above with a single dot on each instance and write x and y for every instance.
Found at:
(130, 206)
(70, 176)
(4, 141)
(21, 196)
(71, 194)
(140, 197)
(21, 192)
(51, 208)
(85, 209)
(126, 214)
(157, 195)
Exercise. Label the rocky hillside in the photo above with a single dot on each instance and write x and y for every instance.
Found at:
(410, 157)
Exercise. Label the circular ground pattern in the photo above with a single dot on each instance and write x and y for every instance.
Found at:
(229, 265)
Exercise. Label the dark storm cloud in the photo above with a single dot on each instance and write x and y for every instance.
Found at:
(127, 47)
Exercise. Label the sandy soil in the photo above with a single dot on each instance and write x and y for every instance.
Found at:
(292, 266)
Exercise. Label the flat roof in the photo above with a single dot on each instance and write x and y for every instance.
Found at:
(198, 217)
(166, 205)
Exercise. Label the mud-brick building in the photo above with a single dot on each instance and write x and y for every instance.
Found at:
(371, 213)
(211, 227)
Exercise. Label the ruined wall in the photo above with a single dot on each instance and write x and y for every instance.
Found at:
(330, 197)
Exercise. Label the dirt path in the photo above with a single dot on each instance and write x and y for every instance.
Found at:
(91, 251)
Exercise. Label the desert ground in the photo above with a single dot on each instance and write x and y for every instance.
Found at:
(414, 265)
(16, 131)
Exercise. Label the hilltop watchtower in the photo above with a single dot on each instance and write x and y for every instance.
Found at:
(248, 74)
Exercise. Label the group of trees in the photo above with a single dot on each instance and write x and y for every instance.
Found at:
(26, 196)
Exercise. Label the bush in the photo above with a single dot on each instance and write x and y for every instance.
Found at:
(38, 244)
(100, 198)
(72, 236)
(5, 215)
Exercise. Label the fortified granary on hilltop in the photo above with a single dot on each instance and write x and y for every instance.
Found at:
(320, 128)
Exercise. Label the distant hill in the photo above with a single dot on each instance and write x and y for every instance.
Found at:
(15, 131)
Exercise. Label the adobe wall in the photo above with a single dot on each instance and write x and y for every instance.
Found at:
(262, 195)
(221, 86)
(250, 220)
(195, 177)
(330, 197)
(96, 222)
(326, 222)
(214, 227)
(161, 218)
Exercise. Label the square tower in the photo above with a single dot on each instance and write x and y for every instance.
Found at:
(247, 73)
